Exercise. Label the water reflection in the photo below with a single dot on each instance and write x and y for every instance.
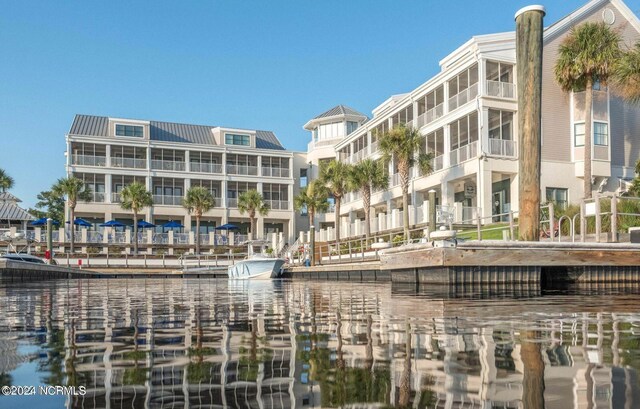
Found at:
(200, 343)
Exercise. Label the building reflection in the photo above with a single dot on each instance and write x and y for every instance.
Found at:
(198, 343)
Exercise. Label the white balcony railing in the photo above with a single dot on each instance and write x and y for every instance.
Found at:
(358, 156)
(373, 148)
(205, 167)
(278, 204)
(181, 238)
(463, 97)
(463, 153)
(275, 172)
(437, 163)
(430, 116)
(88, 160)
(395, 180)
(232, 203)
(169, 165)
(501, 89)
(501, 147)
(134, 163)
(115, 198)
(242, 170)
(95, 197)
(167, 200)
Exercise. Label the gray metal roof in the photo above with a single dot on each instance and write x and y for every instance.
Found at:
(8, 196)
(13, 212)
(340, 110)
(91, 125)
(184, 133)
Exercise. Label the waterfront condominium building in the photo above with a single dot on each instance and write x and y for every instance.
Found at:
(169, 158)
(468, 116)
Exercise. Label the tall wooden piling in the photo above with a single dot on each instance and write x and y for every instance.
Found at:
(529, 28)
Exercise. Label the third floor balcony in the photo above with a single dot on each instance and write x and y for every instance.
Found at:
(128, 162)
(242, 170)
(168, 165)
(89, 160)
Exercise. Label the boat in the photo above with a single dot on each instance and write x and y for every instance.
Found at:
(257, 266)
(28, 258)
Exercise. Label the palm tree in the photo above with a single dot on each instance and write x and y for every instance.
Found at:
(335, 175)
(252, 202)
(313, 198)
(73, 189)
(626, 75)
(135, 197)
(198, 200)
(401, 144)
(365, 176)
(588, 55)
(6, 181)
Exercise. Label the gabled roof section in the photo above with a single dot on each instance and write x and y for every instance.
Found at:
(6, 196)
(90, 125)
(182, 133)
(12, 212)
(268, 140)
(340, 110)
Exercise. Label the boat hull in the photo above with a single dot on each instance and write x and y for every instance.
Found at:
(256, 269)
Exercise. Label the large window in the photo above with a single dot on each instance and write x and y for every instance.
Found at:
(129, 130)
(303, 177)
(600, 133)
(500, 124)
(464, 131)
(578, 134)
(351, 126)
(235, 139)
(558, 195)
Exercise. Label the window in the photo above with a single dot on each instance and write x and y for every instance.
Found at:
(129, 130)
(235, 139)
(578, 134)
(351, 126)
(558, 196)
(500, 124)
(600, 133)
(303, 177)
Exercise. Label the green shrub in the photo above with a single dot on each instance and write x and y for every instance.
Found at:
(115, 250)
(179, 252)
(93, 250)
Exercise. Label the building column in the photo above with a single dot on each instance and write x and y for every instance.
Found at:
(223, 199)
(187, 164)
(259, 165)
(108, 156)
(107, 188)
(148, 157)
(446, 160)
(484, 191)
(447, 190)
(484, 131)
(259, 228)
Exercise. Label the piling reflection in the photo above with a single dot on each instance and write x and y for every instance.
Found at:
(200, 343)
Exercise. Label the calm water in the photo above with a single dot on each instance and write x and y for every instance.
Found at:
(201, 343)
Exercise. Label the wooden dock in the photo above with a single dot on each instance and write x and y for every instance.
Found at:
(492, 262)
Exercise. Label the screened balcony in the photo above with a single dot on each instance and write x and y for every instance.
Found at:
(128, 157)
(167, 191)
(499, 80)
(430, 107)
(94, 184)
(276, 196)
(213, 186)
(242, 165)
(118, 182)
(205, 162)
(275, 167)
(235, 189)
(88, 154)
(463, 88)
(168, 159)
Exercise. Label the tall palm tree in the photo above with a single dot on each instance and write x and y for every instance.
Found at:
(365, 176)
(626, 75)
(251, 202)
(588, 54)
(334, 175)
(313, 198)
(6, 181)
(198, 200)
(73, 189)
(135, 197)
(402, 146)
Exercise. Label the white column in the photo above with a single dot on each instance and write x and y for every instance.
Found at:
(447, 145)
(484, 191)
(484, 130)
(108, 158)
(187, 165)
(107, 187)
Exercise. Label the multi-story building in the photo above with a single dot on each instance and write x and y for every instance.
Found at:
(468, 116)
(109, 153)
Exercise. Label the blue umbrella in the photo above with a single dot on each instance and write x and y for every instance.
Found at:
(43, 222)
(172, 225)
(227, 226)
(113, 223)
(81, 222)
(143, 224)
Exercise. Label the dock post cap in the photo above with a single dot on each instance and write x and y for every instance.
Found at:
(534, 7)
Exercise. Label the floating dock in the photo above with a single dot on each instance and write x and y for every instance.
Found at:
(492, 262)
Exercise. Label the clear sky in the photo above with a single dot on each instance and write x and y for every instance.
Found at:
(257, 64)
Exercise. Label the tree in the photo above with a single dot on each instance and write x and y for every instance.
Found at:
(402, 146)
(635, 184)
(365, 176)
(313, 198)
(198, 200)
(626, 75)
(6, 181)
(334, 175)
(251, 202)
(135, 197)
(74, 190)
(50, 204)
(587, 55)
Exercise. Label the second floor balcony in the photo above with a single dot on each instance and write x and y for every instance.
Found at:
(167, 200)
(463, 154)
(168, 165)
(278, 204)
(242, 170)
(88, 160)
(275, 172)
(95, 197)
(463, 97)
(501, 89)
(124, 162)
(205, 167)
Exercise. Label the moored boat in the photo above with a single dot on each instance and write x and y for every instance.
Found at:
(257, 266)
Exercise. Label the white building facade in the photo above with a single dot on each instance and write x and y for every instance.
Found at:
(467, 114)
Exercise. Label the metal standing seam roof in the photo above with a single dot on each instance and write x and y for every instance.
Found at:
(11, 211)
(340, 110)
(91, 125)
(6, 196)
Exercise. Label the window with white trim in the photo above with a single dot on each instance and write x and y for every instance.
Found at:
(601, 133)
(578, 134)
(129, 130)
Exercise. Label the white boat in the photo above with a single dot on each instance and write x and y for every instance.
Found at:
(257, 266)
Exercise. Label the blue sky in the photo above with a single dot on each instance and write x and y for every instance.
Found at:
(253, 64)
